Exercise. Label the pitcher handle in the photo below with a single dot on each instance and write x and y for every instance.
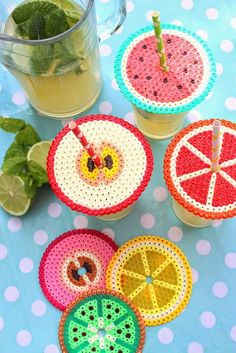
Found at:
(114, 20)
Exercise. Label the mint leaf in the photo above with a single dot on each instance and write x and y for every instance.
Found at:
(41, 59)
(14, 166)
(37, 24)
(16, 150)
(28, 136)
(56, 23)
(11, 124)
(30, 185)
(23, 12)
(37, 173)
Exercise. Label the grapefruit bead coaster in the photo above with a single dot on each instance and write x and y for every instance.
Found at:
(158, 94)
(74, 263)
(189, 175)
(101, 321)
(127, 166)
(154, 274)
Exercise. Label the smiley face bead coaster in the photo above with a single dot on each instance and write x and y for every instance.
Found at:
(75, 263)
(101, 321)
(154, 274)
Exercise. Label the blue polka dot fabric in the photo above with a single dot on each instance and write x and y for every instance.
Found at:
(28, 322)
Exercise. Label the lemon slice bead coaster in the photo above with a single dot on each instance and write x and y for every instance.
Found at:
(101, 321)
(154, 274)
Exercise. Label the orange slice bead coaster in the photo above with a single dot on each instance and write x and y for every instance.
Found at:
(189, 175)
(154, 274)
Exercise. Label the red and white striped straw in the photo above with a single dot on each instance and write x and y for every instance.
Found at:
(216, 144)
(79, 134)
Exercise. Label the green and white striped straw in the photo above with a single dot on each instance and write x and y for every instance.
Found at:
(160, 44)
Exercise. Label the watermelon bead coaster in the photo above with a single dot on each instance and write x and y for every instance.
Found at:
(161, 99)
(154, 274)
(101, 321)
(75, 263)
(193, 184)
(127, 159)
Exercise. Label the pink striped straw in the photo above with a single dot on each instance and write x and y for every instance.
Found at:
(87, 146)
(216, 144)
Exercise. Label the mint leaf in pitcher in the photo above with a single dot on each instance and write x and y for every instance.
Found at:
(37, 25)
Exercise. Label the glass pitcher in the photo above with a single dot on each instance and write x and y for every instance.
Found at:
(60, 75)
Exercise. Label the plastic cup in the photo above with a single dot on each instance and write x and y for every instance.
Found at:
(200, 194)
(107, 192)
(161, 99)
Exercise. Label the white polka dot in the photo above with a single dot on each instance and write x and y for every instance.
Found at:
(114, 85)
(212, 13)
(202, 33)
(104, 1)
(14, 224)
(233, 333)
(38, 308)
(105, 107)
(109, 232)
(208, 319)
(203, 247)
(80, 222)
(3, 251)
(18, 98)
(130, 118)
(129, 6)
(147, 221)
(165, 335)
(177, 22)
(219, 69)
(194, 115)
(230, 103)
(217, 223)
(51, 348)
(23, 338)
(54, 210)
(2, 323)
(187, 4)
(160, 194)
(227, 45)
(11, 294)
(233, 22)
(195, 347)
(66, 122)
(105, 50)
(26, 265)
(195, 275)
(230, 260)
(40, 237)
(220, 289)
(175, 234)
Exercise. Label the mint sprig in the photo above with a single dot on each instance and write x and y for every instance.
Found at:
(11, 125)
(27, 136)
(14, 166)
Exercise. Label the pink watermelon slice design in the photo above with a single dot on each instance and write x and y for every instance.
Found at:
(188, 173)
(149, 80)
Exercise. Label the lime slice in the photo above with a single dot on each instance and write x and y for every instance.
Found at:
(39, 152)
(13, 198)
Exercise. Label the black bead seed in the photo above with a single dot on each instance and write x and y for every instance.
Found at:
(127, 335)
(148, 77)
(84, 334)
(111, 348)
(155, 93)
(91, 317)
(93, 349)
(75, 339)
(120, 351)
(184, 53)
(141, 59)
(117, 310)
(109, 161)
(90, 307)
(185, 70)
(168, 40)
(144, 46)
(119, 331)
(127, 326)
(165, 80)
(75, 329)
(195, 62)
(109, 316)
(179, 87)
(83, 313)
(192, 81)
(109, 306)
(90, 165)
(135, 77)
(169, 55)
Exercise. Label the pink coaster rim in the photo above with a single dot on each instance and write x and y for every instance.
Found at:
(61, 237)
(108, 210)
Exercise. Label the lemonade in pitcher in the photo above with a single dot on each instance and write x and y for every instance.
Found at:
(61, 76)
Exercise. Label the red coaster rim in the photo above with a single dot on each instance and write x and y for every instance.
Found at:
(108, 210)
(171, 185)
(61, 237)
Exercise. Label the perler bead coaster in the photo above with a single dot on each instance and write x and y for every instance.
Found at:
(188, 173)
(74, 263)
(191, 74)
(101, 321)
(154, 274)
(127, 159)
